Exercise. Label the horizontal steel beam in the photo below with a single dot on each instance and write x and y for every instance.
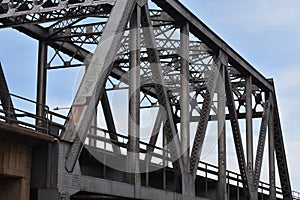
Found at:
(26, 7)
(227, 117)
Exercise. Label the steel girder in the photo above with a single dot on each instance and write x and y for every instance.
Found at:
(93, 84)
(162, 94)
(204, 118)
(109, 121)
(161, 65)
(237, 134)
(6, 102)
(261, 144)
(21, 12)
(280, 150)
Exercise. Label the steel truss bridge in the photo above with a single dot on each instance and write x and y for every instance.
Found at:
(167, 61)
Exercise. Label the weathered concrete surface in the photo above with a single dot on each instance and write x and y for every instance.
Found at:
(23, 134)
(15, 160)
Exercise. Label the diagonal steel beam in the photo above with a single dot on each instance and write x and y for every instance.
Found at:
(162, 95)
(237, 135)
(281, 158)
(152, 142)
(93, 82)
(280, 151)
(40, 33)
(203, 121)
(71, 49)
(261, 144)
(154, 135)
(110, 122)
(5, 98)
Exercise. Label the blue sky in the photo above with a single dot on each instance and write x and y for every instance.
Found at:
(265, 33)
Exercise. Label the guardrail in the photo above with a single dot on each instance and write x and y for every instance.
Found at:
(13, 114)
(234, 179)
(206, 170)
(22, 111)
(46, 123)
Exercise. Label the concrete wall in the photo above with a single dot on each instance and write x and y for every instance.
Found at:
(10, 188)
(16, 144)
(15, 167)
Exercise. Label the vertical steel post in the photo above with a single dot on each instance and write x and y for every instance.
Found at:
(221, 131)
(134, 98)
(272, 194)
(249, 133)
(41, 101)
(184, 96)
(249, 126)
(161, 91)
(187, 180)
(93, 128)
(41, 81)
(165, 158)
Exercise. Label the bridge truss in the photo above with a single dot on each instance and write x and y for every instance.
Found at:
(168, 61)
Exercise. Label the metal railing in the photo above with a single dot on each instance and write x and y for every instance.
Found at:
(210, 171)
(16, 114)
(22, 111)
(206, 170)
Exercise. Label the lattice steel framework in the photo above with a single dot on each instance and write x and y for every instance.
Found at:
(168, 60)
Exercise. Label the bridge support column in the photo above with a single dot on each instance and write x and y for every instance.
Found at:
(222, 194)
(188, 187)
(15, 169)
(134, 101)
(272, 194)
(68, 183)
(41, 80)
(249, 135)
(249, 131)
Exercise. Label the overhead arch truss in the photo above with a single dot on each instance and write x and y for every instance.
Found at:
(168, 60)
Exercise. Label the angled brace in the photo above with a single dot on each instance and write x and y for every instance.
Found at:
(162, 95)
(203, 121)
(93, 83)
(261, 144)
(110, 122)
(237, 135)
(5, 98)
